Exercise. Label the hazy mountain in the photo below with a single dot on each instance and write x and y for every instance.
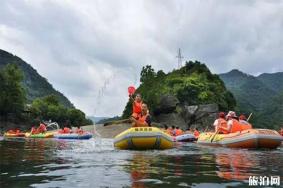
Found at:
(274, 80)
(35, 85)
(97, 119)
(262, 95)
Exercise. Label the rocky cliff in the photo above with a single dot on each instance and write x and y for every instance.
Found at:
(172, 112)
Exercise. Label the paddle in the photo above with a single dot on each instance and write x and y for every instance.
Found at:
(212, 138)
(206, 128)
(249, 116)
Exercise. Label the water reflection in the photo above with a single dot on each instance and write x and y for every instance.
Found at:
(22, 162)
(148, 169)
(139, 168)
(95, 163)
(236, 165)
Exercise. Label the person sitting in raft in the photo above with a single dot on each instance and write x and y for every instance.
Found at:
(243, 119)
(233, 124)
(244, 123)
(196, 133)
(65, 130)
(143, 119)
(169, 130)
(79, 130)
(15, 131)
(173, 131)
(281, 131)
(220, 124)
(33, 130)
(41, 128)
(166, 129)
(178, 131)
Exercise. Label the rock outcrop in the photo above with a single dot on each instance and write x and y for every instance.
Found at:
(170, 119)
(170, 112)
(200, 116)
(167, 104)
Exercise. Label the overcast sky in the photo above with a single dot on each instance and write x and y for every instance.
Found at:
(93, 50)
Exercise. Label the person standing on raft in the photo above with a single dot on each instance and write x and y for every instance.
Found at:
(143, 119)
(137, 105)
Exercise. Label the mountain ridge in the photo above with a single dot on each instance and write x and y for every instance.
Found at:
(262, 95)
(35, 85)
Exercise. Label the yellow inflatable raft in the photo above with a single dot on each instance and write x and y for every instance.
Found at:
(142, 138)
(251, 138)
(7, 134)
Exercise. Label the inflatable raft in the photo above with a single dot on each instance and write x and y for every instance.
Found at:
(251, 138)
(14, 135)
(84, 136)
(185, 138)
(142, 138)
(40, 135)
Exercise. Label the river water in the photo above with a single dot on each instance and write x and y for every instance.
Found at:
(96, 163)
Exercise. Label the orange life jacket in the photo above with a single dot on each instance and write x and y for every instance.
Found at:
(245, 125)
(173, 132)
(34, 131)
(222, 125)
(142, 118)
(236, 126)
(41, 128)
(196, 133)
(178, 132)
(79, 131)
(137, 107)
(168, 131)
(61, 131)
(11, 131)
(66, 130)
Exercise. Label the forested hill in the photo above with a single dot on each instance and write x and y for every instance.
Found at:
(35, 85)
(262, 95)
(193, 84)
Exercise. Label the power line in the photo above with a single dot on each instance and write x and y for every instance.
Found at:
(179, 57)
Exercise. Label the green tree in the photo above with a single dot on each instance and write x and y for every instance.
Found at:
(88, 122)
(49, 108)
(76, 117)
(51, 100)
(147, 73)
(12, 94)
